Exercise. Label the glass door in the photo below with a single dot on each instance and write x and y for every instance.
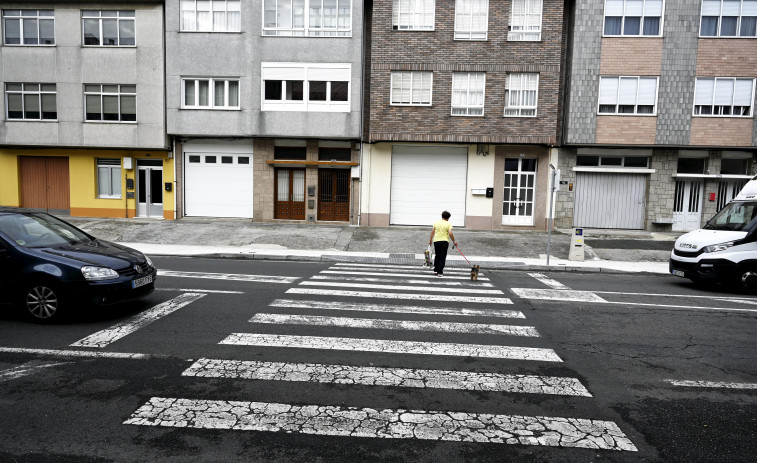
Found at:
(149, 188)
(520, 189)
(290, 194)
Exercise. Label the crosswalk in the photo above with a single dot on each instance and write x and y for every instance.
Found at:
(375, 297)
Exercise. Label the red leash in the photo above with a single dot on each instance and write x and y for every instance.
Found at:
(461, 253)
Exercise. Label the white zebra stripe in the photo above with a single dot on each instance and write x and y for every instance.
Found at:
(381, 423)
(229, 276)
(418, 297)
(394, 347)
(360, 306)
(430, 281)
(402, 288)
(554, 284)
(392, 273)
(413, 268)
(409, 325)
(557, 295)
(114, 333)
(712, 384)
(378, 376)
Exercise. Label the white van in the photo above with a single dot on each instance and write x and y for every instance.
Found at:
(725, 249)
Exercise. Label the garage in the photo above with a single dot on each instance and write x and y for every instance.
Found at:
(610, 200)
(427, 180)
(218, 184)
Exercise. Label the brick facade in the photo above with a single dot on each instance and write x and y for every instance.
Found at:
(626, 130)
(631, 56)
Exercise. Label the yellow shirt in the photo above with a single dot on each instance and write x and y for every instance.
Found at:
(441, 230)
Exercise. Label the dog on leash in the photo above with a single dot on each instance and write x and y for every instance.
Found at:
(474, 272)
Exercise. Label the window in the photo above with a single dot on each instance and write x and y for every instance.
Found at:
(334, 154)
(471, 19)
(30, 102)
(313, 18)
(211, 16)
(108, 178)
(413, 15)
(633, 17)
(734, 166)
(468, 93)
(729, 18)
(306, 87)
(411, 88)
(612, 161)
(210, 93)
(110, 103)
(521, 91)
(628, 95)
(290, 153)
(723, 96)
(525, 23)
(29, 27)
(108, 28)
(692, 166)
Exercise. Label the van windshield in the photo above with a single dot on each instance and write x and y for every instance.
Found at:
(735, 216)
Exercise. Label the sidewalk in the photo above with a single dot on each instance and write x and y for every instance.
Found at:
(605, 250)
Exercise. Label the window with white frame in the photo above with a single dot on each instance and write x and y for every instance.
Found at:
(313, 18)
(633, 17)
(30, 102)
(723, 96)
(411, 88)
(471, 19)
(413, 15)
(107, 28)
(110, 103)
(628, 95)
(521, 93)
(211, 16)
(729, 18)
(314, 87)
(525, 20)
(28, 27)
(468, 93)
(108, 178)
(210, 93)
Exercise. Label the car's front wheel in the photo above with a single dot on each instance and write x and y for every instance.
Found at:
(42, 302)
(748, 279)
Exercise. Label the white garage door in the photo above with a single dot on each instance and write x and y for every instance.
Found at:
(426, 181)
(218, 184)
(609, 200)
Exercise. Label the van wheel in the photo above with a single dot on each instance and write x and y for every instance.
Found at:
(42, 302)
(748, 279)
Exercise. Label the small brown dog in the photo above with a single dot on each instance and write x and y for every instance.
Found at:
(474, 272)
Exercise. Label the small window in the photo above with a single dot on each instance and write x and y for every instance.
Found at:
(108, 178)
(411, 88)
(471, 19)
(691, 165)
(108, 28)
(194, 158)
(334, 154)
(29, 27)
(587, 161)
(412, 15)
(734, 166)
(317, 90)
(635, 161)
(227, 160)
(292, 153)
(210, 159)
(525, 20)
(207, 16)
(243, 160)
(611, 161)
(633, 17)
(468, 93)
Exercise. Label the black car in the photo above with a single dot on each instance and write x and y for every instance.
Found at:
(49, 266)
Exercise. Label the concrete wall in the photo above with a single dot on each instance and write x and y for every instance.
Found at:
(239, 55)
(70, 65)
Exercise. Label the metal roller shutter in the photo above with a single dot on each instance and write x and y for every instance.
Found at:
(610, 200)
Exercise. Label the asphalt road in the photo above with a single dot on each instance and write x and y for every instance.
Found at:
(301, 362)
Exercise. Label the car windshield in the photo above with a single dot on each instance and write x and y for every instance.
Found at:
(736, 216)
(40, 231)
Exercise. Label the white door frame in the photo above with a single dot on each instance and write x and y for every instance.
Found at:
(687, 205)
(146, 206)
(522, 184)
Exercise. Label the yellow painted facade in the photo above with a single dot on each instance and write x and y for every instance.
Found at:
(84, 200)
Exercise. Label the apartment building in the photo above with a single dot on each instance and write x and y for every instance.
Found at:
(264, 103)
(660, 130)
(82, 129)
(464, 111)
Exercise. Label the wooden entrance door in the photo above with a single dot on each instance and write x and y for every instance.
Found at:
(334, 195)
(45, 183)
(290, 194)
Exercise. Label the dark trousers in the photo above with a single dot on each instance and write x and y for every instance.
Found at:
(440, 257)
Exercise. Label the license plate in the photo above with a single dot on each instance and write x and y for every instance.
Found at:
(141, 281)
(678, 273)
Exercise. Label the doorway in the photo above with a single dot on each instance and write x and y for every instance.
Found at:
(334, 195)
(520, 190)
(149, 188)
(687, 208)
(290, 194)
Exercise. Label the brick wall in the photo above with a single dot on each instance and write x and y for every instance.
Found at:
(721, 131)
(727, 58)
(623, 56)
(437, 51)
(626, 130)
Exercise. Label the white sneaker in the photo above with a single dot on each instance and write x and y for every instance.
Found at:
(439, 274)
